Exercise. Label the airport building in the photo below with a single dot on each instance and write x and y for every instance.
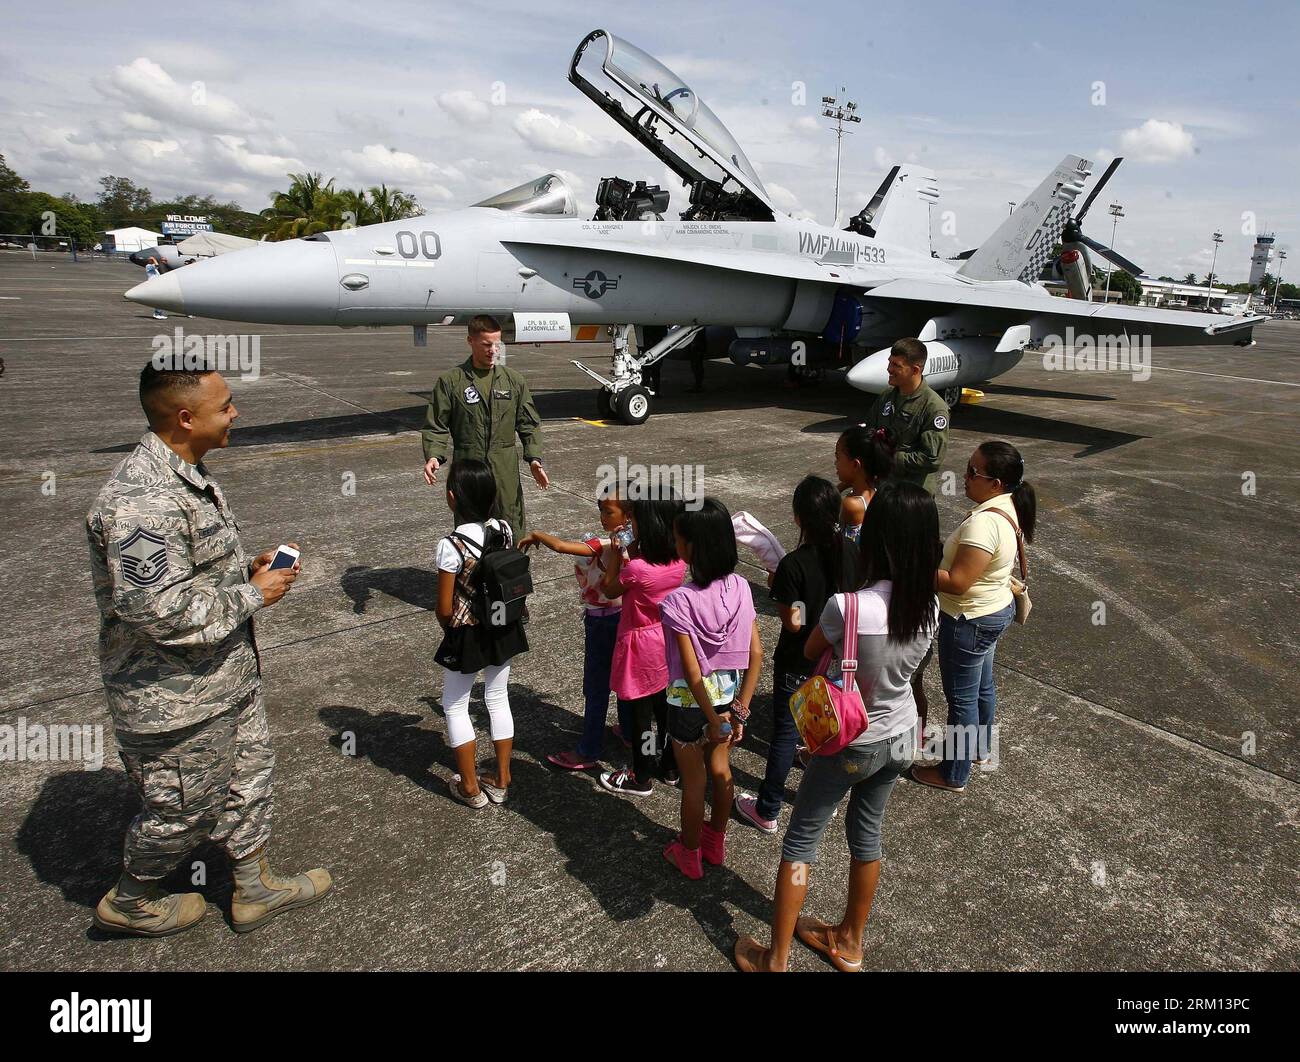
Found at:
(1261, 258)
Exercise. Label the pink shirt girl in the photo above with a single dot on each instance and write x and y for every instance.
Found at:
(640, 665)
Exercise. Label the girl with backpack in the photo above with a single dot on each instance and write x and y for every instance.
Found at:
(471, 641)
(894, 614)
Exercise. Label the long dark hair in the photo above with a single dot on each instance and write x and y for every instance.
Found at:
(1004, 463)
(475, 488)
(712, 539)
(900, 542)
(817, 505)
(873, 448)
(654, 527)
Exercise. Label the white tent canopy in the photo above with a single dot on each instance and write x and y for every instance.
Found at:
(207, 244)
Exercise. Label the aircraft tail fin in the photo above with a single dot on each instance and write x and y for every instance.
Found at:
(903, 217)
(1023, 243)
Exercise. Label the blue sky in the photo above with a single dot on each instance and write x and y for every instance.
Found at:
(453, 102)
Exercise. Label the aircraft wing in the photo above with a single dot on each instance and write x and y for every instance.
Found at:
(1018, 306)
(739, 259)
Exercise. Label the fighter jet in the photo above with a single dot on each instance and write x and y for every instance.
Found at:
(776, 289)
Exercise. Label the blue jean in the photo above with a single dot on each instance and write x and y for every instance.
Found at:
(869, 773)
(597, 657)
(785, 738)
(966, 650)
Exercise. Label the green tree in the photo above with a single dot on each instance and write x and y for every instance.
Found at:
(392, 204)
(311, 205)
(121, 202)
(1128, 286)
(1190, 278)
(13, 189)
(43, 214)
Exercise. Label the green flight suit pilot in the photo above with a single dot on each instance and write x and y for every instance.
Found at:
(914, 415)
(475, 410)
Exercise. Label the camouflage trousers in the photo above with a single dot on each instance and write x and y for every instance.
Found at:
(208, 781)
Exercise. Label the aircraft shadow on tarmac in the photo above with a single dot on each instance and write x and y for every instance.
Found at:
(756, 390)
(609, 845)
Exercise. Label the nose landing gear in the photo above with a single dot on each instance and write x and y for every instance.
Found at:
(625, 397)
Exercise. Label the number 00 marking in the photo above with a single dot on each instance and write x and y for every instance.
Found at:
(428, 244)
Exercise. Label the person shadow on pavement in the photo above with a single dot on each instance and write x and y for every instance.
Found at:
(610, 845)
(414, 586)
(72, 837)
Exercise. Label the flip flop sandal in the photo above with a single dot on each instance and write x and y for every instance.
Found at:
(495, 793)
(571, 761)
(821, 938)
(478, 800)
(749, 955)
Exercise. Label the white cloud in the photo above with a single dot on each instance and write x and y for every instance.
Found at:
(1157, 141)
(234, 151)
(64, 145)
(464, 107)
(154, 93)
(807, 124)
(546, 132)
(140, 123)
(882, 158)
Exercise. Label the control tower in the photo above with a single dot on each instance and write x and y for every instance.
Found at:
(1261, 258)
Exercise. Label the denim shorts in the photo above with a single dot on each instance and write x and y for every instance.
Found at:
(867, 773)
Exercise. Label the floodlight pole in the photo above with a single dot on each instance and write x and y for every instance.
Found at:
(1277, 283)
(832, 109)
(1209, 281)
(1116, 212)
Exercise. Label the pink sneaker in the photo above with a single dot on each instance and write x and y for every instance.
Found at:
(713, 845)
(687, 860)
(747, 809)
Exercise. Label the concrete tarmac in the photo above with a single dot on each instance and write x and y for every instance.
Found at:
(1144, 813)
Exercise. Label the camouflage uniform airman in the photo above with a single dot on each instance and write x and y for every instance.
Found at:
(463, 422)
(179, 660)
(918, 428)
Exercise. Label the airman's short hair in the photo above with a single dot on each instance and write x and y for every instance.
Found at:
(484, 322)
(911, 351)
(163, 391)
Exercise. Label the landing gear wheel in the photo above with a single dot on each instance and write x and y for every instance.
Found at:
(952, 397)
(632, 405)
(604, 406)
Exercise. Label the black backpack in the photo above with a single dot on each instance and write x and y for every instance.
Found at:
(500, 580)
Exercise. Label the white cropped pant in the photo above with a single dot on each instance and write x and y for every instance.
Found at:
(455, 704)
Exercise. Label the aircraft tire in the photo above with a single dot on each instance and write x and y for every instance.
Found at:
(951, 397)
(633, 405)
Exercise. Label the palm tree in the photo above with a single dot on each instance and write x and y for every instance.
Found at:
(392, 204)
(311, 205)
(1190, 278)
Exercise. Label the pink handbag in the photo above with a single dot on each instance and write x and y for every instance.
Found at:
(828, 717)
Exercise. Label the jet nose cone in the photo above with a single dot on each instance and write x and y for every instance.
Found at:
(871, 373)
(161, 292)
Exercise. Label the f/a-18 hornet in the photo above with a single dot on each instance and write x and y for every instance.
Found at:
(733, 275)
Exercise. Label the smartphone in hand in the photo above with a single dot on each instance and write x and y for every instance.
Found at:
(285, 557)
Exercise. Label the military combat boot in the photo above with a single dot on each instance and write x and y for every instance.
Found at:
(144, 910)
(260, 895)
